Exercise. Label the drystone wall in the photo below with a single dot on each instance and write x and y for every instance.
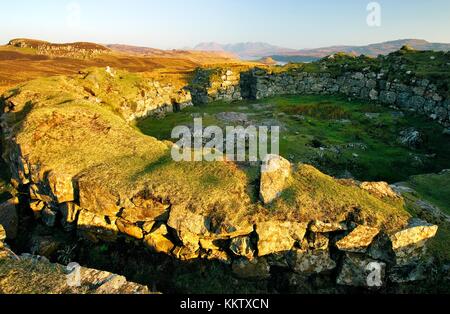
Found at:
(210, 85)
(417, 95)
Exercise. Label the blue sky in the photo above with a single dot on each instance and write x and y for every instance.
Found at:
(181, 23)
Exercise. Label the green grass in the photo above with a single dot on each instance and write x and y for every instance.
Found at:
(321, 125)
(432, 65)
(434, 188)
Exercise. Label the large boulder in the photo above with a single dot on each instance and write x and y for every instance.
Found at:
(274, 173)
(97, 198)
(409, 244)
(9, 218)
(279, 236)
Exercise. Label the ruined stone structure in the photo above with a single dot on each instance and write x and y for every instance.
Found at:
(417, 95)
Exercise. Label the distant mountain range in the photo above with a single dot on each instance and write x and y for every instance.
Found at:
(260, 50)
(248, 50)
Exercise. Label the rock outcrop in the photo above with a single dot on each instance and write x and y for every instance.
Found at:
(78, 50)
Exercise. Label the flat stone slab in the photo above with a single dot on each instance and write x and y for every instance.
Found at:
(358, 240)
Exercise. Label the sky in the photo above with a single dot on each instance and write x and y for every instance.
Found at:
(170, 24)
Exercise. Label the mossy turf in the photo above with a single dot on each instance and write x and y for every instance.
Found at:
(332, 133)
(434, 188)
(317, 196)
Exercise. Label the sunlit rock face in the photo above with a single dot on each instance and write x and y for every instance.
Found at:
(409, 244)
(274, 173)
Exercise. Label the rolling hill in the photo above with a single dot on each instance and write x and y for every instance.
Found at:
(261, 50)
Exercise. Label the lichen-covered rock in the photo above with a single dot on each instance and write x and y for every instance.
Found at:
(278, 236)
(190, 240)
(359, 271)
(61, 186)
(242, 246)
(216, 255)
(142, 210)
(129, 228)
(310, 261)
(185, 253)
(182, 219)
(97, 198)
(325, 227)
(358, 240)
(274, 173)
(9, 218)
(411, 138)
(211, 244)
(381, 189)
(410, 273)
(257, 269)
(409, 244)
(158, 240)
